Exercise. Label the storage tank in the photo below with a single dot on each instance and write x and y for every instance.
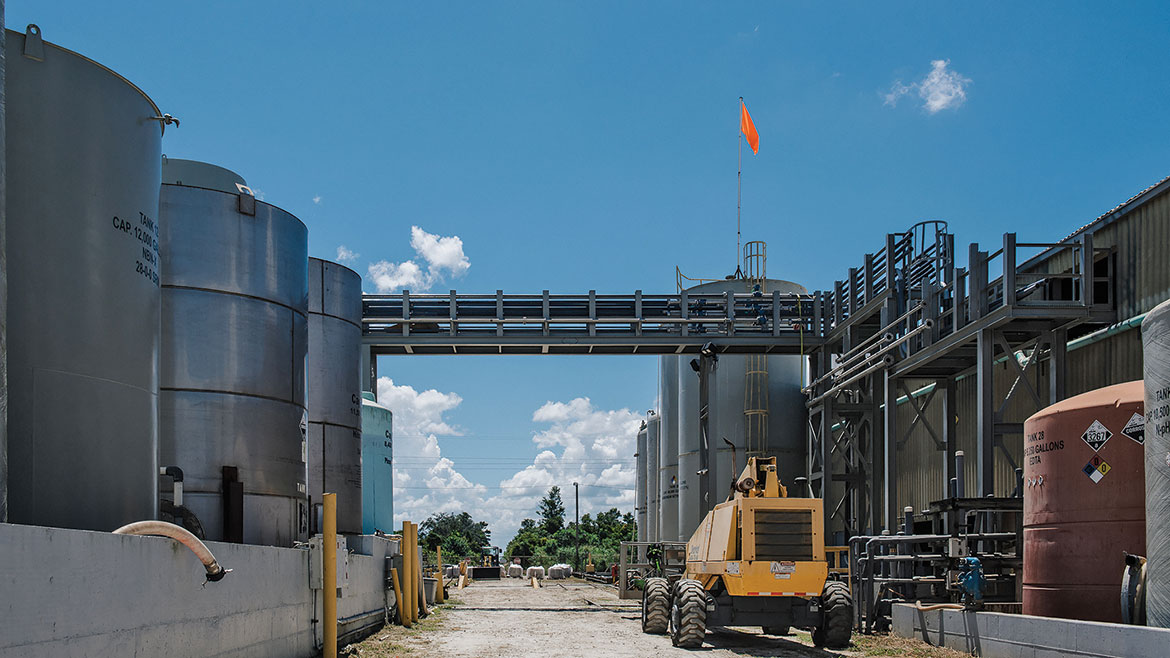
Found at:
(690, 512)
(235, 334)
(334, 388)
(668, 448)
(775, 387)
(1156, 355)
(82, 178)
(1084, 502)
(652, 495)
(640, 484)
(377, 466)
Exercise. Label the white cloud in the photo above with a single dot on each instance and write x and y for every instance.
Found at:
(317, 199)
(941, 89)
(443, 256)
(346, 256)
(581, 443)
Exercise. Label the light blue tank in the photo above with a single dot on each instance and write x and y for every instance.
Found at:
(377, 466)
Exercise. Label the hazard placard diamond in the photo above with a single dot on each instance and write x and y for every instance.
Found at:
(1096, 435)
(1136, 428)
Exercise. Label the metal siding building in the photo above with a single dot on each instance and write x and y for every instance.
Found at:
(1137, 235)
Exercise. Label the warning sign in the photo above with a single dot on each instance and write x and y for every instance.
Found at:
(1096, 469)
(1097, 435)
(783, 567)
(1136, 428)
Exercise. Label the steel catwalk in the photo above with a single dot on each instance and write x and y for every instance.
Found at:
(235, 336)
(83, 153)
(334, 389)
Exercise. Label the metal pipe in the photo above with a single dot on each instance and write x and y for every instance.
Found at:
(3, 294)
(215, 572)
(439, 575)
(329, 586)
(176, 474)
(960, 474)
(884, 363)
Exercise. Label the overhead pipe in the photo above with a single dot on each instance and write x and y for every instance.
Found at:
(886, 349)
(886, 362)
(215, 572)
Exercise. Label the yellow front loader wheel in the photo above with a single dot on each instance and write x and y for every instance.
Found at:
(688, 615)
(836, 617)
(656, 606)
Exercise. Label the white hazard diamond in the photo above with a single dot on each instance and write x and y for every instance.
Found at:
(1136, 428)
(1096, 476)
(1096, 435)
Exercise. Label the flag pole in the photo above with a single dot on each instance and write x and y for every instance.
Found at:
(739, 190)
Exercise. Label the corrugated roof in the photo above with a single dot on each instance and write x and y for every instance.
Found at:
(1125, 206)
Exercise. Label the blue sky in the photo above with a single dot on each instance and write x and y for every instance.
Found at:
(593, 145)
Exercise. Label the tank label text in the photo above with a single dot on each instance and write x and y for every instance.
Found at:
(1096, 435)
(1037, 446)
(145, 234)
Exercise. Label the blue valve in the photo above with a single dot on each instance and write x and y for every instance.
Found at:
(971, 582)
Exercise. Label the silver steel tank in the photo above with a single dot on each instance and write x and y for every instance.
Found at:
(786, 417)
(640, 484)
(668, 448)
(653, 429)
(193, 173)
(690, 511)
(235, 335)
(334, 389)
(1156, 358)
(377, 466)
(83, 150)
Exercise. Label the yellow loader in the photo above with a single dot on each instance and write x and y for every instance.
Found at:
(757, 559)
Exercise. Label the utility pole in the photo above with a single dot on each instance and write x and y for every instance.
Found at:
(577, 525)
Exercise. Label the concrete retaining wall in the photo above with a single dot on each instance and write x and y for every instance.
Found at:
(78, 593)
(998, 635)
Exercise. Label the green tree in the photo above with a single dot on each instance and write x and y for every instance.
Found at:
(552, 511)
(458, 534)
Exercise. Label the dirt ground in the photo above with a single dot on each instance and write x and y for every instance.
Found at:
(567, 619)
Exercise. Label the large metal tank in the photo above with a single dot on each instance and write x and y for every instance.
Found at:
(377, 466)
(1084, 502)
(729, 394)
(653, 429)
(640, 483)
(83, 151)
(690, 512)
(334, 388)
(235, 334)
(1156, 355)
(668, 448)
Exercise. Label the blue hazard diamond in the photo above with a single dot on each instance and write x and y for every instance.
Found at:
(1089, 469)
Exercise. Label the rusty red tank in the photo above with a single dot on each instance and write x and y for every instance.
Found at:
(1084, 502)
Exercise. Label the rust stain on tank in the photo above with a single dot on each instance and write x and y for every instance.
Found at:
(1084, 502)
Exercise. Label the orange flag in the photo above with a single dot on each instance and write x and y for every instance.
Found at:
(748, 128)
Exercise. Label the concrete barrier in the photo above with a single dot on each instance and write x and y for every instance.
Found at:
(70, 593)
(998, 635)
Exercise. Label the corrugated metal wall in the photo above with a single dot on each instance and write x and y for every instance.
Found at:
(1141, 240)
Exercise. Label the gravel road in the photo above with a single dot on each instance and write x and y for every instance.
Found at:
(569, 619)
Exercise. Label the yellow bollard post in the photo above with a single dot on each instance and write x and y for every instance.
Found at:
(329, 586)
(409, 567)
(398, 598)
(439, 575)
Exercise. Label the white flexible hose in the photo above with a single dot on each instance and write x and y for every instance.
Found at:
(181, 535)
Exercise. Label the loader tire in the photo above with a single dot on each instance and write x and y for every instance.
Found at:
(655, 606)
(688, 615)
(836, 625)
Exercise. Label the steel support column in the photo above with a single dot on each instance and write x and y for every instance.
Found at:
(985, 412)
(889, 470)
